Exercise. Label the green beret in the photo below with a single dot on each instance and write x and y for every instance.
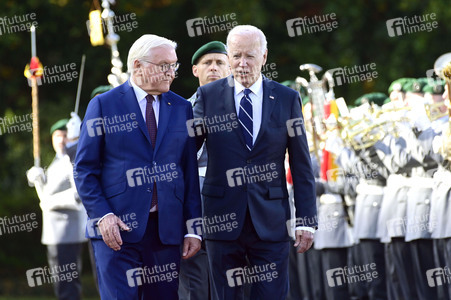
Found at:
(305, 100)
(60, 125)
(419, 84)
(388, 100)
(402, 84)
(434, 87)
(211, 47)
(376, 98)
(100, 90)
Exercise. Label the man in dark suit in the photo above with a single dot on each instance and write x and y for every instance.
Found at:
(137, 177)
(249, 122)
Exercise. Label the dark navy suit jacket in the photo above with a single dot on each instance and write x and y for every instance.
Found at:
(238, 179)
(116, 165)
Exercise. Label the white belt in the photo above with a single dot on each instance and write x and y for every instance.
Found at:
(396, 180)
(421, 182)
(330, 199)
(369, 189)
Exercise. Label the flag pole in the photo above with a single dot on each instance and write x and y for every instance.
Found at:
(33, 72)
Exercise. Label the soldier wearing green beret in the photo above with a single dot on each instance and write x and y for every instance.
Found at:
(210, 63)
(398, 88)
(63, 215)
(100, 90)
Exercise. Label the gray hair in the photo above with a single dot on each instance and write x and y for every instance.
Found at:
(249, 29)
(143, 45)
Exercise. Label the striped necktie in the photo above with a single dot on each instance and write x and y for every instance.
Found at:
(245, 118)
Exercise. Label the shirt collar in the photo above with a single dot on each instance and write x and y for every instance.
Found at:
(256, 88)
(140, 93)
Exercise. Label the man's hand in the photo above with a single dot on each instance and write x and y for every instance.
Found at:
(109, 228)
(34, 175)
(190, 247)
(304, 240)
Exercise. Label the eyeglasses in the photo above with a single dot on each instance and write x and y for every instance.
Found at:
(165, 67)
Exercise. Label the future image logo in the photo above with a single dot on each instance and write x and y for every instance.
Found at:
(309, 25)
(356, 73)
(438, 276)
(208, 25)
(407, 25)
(251, 174)
(352, 274)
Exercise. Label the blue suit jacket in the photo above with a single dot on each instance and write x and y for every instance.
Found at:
(116, 165)
(230, 164)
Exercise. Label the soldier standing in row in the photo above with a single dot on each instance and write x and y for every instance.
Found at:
(64, 217)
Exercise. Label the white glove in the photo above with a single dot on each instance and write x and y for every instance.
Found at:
(34, 175)
(73, 126)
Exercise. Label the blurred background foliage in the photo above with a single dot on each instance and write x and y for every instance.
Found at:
(62, 38)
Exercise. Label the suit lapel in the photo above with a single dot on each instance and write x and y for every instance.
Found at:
(163, 118)
(268, 102)
(229, 105)
(133, 107)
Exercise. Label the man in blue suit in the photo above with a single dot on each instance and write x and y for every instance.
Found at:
(136, 173)
(249, 122)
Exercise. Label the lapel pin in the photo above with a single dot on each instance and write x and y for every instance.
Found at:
(169, 103)
(271, 97)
